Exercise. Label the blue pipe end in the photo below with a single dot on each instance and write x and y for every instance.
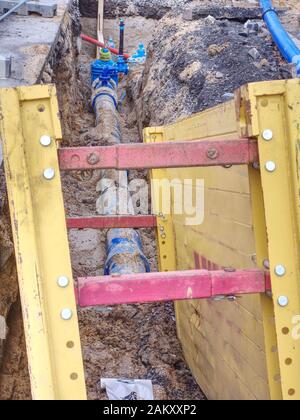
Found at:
(285, 44)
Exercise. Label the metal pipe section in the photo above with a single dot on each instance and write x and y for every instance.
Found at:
(285, 44)
(12, 10)
(124, 247)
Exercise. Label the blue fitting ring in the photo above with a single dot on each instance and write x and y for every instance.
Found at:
(271, 9)
(104, 94)
(118, 245)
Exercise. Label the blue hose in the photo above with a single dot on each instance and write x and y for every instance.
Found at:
(286, 45)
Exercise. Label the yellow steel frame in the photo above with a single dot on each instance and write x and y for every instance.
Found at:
(273, 106)
(262, 258)
(41, 243)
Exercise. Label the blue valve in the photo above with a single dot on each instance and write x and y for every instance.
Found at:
(122, 65)
(140, 56)
(104, 69)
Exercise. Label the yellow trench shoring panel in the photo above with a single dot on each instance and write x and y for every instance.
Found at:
(41, 244)
(275, 107)
(241, 356)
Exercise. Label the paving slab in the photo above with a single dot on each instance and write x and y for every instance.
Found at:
(28, 40)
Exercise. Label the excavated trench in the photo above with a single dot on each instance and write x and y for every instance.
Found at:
(129, 341)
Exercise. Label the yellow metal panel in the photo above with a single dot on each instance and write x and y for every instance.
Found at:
(276, 218)
(41, 245)
(225, 238)
(224, 363)
(218, 122)
(277, 107)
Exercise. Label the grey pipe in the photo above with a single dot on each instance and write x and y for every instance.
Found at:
(124, 247)
(13, 9)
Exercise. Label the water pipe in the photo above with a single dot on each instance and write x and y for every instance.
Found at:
(124, 248)
(13, 9)
(285, 44)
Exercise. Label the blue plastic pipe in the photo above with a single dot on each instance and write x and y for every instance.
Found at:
(286, 45)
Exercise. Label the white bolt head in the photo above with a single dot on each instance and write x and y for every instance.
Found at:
(66, 314)
(266, 264)
(283, 301)
(45, 141)
(49, 173)
(270, 166)
(63, 281)
(280, 270)
(268, 135)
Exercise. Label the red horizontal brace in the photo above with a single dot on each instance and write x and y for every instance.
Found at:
(179, 285)
(110, 222)
(160, 155)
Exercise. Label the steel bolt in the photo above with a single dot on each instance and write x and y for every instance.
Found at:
(66, 314)
(162, 216)
(49, 173)
(212, 153)
(270, 166)
(268, 135)
(283, 301)
(229, 270)
(93, 159)
(280, 270)
(63, 281)
(45, 141)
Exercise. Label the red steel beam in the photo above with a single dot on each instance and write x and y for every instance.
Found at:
(111, 222)
(179, 285)
(160, 155)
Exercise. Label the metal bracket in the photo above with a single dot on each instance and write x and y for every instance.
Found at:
(274, 119)
(29, 129)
